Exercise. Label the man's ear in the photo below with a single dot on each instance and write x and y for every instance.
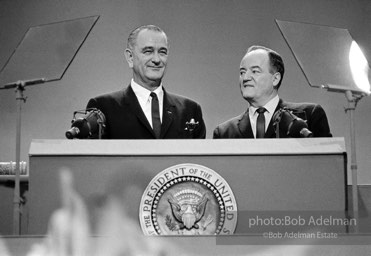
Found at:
(276, 79)
(129, 57)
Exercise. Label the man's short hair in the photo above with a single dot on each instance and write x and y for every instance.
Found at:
(132, 39)
(275, 60)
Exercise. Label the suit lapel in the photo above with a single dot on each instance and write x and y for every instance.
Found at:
(167, 114)
(244, 126)
(271, 132)
(132, 102)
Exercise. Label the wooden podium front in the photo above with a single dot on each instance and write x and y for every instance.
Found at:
(265, 175)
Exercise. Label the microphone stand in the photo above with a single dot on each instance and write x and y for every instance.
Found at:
(17, 200)
(352, 103)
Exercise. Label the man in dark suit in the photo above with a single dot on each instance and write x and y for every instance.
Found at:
(261, 73)
(145, 110)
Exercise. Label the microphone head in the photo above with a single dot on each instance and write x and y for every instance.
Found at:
(80, 129)
(90, 126)
(298, 128)
(306, 133)
(72, 133)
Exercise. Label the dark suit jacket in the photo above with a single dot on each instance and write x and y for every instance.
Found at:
(126, 120)
(239, 127)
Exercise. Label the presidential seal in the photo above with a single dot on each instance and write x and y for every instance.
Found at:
(188, 199)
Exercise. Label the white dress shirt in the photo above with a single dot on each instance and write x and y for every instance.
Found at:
(145, 100)
(270, 107)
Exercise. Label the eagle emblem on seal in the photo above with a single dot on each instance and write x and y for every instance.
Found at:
(188, 207)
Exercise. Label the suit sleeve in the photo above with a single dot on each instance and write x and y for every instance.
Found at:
(216, 134)
(201, 131)
(319, 124)
(92, 103)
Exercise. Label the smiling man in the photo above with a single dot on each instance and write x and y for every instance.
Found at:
(261, 73)
(145, 110)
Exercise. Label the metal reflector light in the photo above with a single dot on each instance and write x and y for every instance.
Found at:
(359, 67)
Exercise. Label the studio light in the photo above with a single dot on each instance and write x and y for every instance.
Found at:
(359, 68)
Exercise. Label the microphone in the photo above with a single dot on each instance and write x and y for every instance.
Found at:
(298, 128)
(90, 126)
(290, 125)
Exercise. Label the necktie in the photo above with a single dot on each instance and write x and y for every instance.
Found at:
(260, 123)
(156, 122)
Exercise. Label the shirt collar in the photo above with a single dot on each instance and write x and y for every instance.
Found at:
(143, 93)
(270, 106)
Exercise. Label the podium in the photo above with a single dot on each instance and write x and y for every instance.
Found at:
(265, 175)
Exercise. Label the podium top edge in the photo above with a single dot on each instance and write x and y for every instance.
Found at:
(41, 147)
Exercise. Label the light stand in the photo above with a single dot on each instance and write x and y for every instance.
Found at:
(45, 51)
(17, 200)
(352, 103)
